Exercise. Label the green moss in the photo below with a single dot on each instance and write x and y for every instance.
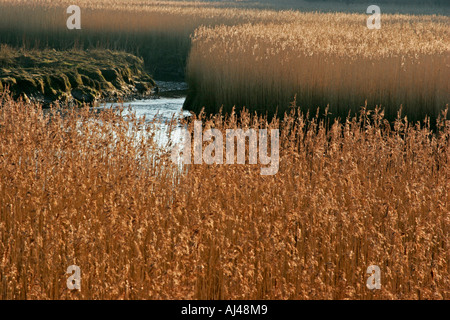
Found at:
(143, 87)
(92, 73)
(25, 61)
(39, 84)
(126, 75)
(106, 86)
(56, 74)
(26, 85)
(74, 79)
(60, 82)
(8, 81)
(5, 71)
(85, 94)
(86, 81)
(48, 90)
(110, 74)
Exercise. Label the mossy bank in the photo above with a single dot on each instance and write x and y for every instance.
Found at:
(73, 77)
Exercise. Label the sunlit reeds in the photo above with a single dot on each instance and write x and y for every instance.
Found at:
(158, 31)
(324, 59)
(77, 189)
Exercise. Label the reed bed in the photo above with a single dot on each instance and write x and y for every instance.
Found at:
(324, 59)
(78, 189)
(158, 31)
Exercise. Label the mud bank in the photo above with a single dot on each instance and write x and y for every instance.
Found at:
(73, 77)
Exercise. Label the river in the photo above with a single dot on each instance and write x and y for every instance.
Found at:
(164, 107)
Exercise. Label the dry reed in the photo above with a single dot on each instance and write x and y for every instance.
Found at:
(78, 189)
(324, 59)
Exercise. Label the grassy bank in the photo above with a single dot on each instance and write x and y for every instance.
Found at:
(72, 76)
(79, 190)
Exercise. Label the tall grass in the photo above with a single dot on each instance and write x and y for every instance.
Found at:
(78, 189)
(358, 6)
(324, 59)
(159, 31)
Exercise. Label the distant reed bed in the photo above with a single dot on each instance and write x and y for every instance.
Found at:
(158, 31)
(324, 59)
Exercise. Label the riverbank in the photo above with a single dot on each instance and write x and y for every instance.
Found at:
(73, 77)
